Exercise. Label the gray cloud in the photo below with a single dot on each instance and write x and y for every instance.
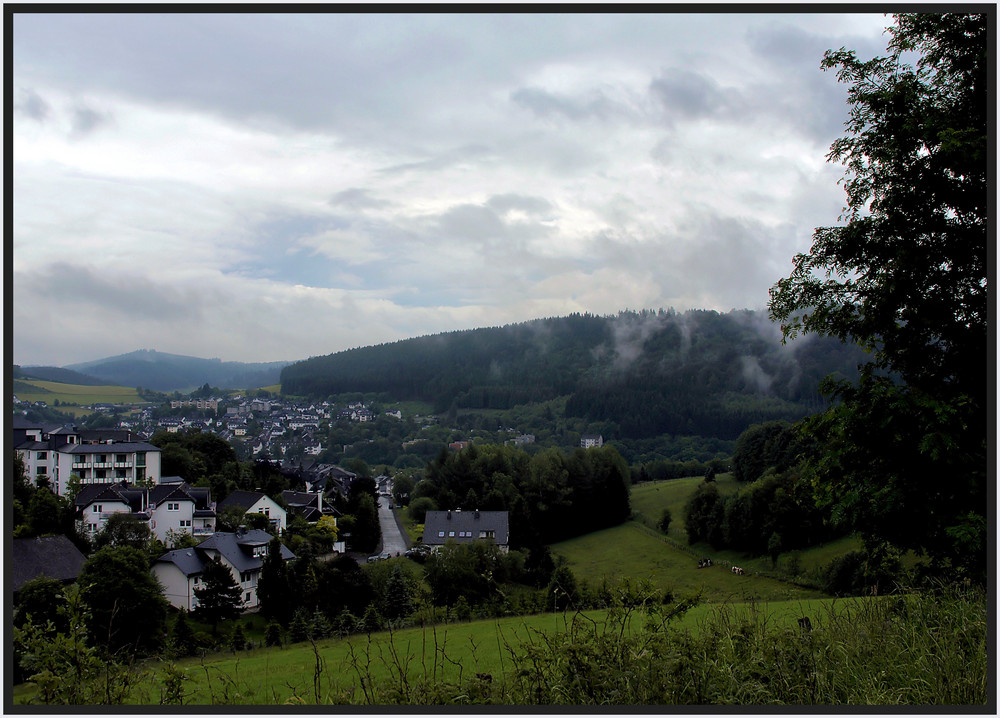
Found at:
(503, 203)
(692, 95)
(95, 294)
(358, 199)
(595, 105)
(343, 179)
(85, 120)
(30, 104)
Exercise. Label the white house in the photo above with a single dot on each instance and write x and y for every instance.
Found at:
(256, 502)
(588, 441)
(97, 456)
(242, 552)
(172, 507)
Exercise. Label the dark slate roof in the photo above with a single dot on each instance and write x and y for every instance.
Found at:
(471, 522)
(89, 493)
(32, 445)
(186, 559)
(237, 547)
(52, 556)
(176, 492)
(242, 499)
(116, 448)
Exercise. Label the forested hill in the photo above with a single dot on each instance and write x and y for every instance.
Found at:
(172, 372)
(647, 373)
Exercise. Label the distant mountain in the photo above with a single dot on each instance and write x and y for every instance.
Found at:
(173, 372)
(643, 373)
(58, 374)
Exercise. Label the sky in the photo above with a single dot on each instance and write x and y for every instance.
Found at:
(270, 187)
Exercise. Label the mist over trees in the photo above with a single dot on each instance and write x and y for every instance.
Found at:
(648, 373)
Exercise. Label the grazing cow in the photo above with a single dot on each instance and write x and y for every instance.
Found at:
(737, 570)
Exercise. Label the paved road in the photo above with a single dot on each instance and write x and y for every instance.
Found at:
(393, 538)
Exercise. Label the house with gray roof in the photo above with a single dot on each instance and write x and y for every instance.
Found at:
(257, 502)
(243, 552)
(55, 557)
(465, 527)
(168, 507)
(96, 456)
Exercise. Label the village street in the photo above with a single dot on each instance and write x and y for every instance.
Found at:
(394, 540)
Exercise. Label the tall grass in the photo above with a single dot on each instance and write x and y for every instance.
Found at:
(929, 648)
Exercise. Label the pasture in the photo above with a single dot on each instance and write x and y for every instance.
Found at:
(634, 550)
(73, 397)
(354, 670)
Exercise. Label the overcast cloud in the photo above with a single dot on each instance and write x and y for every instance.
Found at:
(274, 187)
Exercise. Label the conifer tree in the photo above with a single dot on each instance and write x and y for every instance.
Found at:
(219, 596)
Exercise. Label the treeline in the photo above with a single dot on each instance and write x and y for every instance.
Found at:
(550, 496)
(646, 373)
(775, 510)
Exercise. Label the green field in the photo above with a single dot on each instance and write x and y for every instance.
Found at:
(649, 499)
(443, 653)
(72, 397)
(639, 552)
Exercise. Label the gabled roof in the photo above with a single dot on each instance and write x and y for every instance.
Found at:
(242, 499)
(464, 522)
(91, 493)
(52, 556)
(187, 560)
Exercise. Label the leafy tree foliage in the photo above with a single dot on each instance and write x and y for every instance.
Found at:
(665, 518)
(125, 601)
(703, 515)
(124, 529)
(219, 596)
(772, 445)
(420, 506)
(40, 601)
(549, 496)
(905, 276)
(472, 571)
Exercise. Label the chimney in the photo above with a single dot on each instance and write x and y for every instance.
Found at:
(477, 513)
(449, 514)
(319, 501)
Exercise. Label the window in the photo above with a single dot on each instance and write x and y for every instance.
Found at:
(140, 458)
(41, 470)
(173, 506)
(92, 528)
(451, 533)
(100, 473)
(42, 455)
(440, 534)
(196, 580)
(247, 599)
(244, 577)
(185, 524)
(98, 508)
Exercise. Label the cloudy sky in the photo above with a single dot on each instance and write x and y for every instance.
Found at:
(273, 187)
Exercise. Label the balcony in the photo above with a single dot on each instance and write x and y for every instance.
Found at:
(202, 531)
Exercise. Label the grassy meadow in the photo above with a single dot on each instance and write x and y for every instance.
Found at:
(73, 397)
(344, 670)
